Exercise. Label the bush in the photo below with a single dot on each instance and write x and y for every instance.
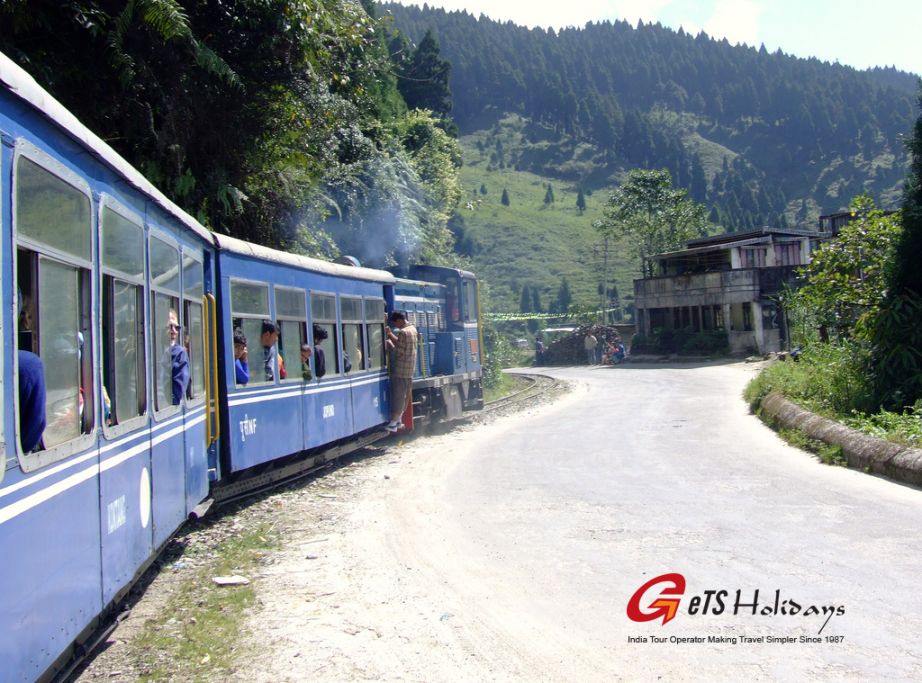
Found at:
(830, 379)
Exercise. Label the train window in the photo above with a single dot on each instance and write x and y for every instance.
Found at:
(249, 308)
(291, 311)
(54, 228)
(171, 373)
(353, 335)
(323, 315)
(470, 300)
(64, 344)
(193, 325)
(374, 315)
(164, 265)
(51, 211)
(124, 381)
(167, 335)
(452, 301)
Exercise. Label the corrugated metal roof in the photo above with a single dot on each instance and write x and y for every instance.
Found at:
(765, 239)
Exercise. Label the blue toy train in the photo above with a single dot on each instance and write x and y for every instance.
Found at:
(100, 273)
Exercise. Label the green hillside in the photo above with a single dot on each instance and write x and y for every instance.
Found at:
(529, 242)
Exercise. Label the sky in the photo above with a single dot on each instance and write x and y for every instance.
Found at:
(859, 33)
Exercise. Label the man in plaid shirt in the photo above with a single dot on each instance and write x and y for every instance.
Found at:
(404, 344)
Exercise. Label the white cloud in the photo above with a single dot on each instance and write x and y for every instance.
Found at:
(735, 20)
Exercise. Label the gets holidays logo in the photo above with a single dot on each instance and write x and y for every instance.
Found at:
(661, 596)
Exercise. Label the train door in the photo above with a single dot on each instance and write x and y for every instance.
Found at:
(363, 341)
(170, 373)
(379, 403)
(124, 482)
(291, 314)
(193, 340)
(327, 403)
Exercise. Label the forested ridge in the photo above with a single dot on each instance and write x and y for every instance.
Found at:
(762, 138)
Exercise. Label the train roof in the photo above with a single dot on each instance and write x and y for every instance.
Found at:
(237, 246)
(21, 84)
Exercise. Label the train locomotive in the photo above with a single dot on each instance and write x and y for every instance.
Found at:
(101, 277)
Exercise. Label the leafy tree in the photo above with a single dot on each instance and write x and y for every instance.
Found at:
(897, 331)
(504, 200)
(299, 88)
(846, 277)
(652, 214)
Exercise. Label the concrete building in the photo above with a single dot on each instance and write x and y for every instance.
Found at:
(728, 282)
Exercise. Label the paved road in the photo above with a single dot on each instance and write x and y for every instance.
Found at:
(550, 522)
(509, 551)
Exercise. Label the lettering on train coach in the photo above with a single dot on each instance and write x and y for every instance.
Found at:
(328, 411)
(117, 513)
(247, 427)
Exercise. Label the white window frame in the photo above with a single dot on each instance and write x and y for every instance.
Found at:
(108, 202)
(25, 149)
(154, 231)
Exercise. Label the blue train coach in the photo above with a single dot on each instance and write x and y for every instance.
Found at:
(102, 276)
(135, 318)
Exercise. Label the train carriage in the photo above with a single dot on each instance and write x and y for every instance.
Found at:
(443, 303)
(131, 306)
(271, 416)
(96, 266)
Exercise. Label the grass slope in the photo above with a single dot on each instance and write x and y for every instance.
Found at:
(529, 242)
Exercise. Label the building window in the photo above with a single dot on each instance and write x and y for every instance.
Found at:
(787, 254)
(753, 257)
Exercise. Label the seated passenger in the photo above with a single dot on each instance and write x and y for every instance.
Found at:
(178, 360)
(268, 338)
(31, 400)
(320, 364)
(306, 352)
(241, 356)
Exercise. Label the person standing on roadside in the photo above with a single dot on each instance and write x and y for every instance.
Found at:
(404, 344)
(590, 343)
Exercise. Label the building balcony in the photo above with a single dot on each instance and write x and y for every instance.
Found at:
(712, 288)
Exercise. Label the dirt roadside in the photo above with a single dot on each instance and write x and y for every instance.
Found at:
(350, 594)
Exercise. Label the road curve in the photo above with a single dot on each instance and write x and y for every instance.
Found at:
(510, 551)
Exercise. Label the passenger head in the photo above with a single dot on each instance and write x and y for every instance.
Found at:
(240, 343)
(306, 352)
(173, 326)
(398, 319)
(269, 333)
(320, 334)
(25, 312)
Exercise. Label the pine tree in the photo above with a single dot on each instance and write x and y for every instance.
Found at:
(580, 202)
(504, 200)
(564, 297)
(423, 78)
(536, 300)
(483, 188)
(549, 195)
(525, 300)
